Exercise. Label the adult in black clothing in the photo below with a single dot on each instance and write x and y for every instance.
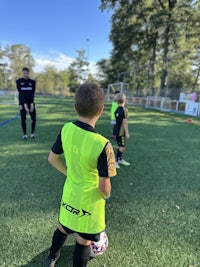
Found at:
(26, 89)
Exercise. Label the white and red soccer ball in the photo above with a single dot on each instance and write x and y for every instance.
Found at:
(98, 248)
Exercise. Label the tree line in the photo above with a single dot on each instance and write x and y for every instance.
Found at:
(50, 80)
(156, 50)
(155, 44)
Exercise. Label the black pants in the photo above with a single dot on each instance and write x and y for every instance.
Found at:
(23, 119)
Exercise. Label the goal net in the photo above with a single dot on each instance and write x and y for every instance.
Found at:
(113, 88)
(8, 97)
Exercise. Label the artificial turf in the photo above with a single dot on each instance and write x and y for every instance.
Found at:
(154, 211)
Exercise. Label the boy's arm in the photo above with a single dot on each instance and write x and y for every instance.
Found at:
(125, 124)
(104, 186)
(55, 156)
(57, 162)
(32, 96)
(21, 96)
(107, 169)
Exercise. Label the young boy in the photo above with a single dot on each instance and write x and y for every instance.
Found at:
(121, 129)
(90, 163)
(114, 106)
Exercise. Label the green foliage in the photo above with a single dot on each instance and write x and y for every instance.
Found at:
(12, 59)
(80, 66)
(50, 81)
(105, 73)
(20, 56)
(148, 35)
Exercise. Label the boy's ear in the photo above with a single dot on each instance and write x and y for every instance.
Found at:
(101, 110)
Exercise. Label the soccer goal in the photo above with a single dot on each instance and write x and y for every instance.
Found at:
(113, 88)
(8, 97)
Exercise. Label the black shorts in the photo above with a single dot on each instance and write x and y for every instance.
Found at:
(92, 237)
(121, 141)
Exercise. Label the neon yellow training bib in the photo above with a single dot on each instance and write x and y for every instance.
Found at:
(113, 109)
(82, 206)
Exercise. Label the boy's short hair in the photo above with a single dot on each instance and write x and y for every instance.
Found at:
(25, 69)
(89, 99)
(120, 98)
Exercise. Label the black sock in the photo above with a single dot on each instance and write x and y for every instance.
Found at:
(113, 131)
(57, 242)
(119, 155)
(33, 117)
(81, 255)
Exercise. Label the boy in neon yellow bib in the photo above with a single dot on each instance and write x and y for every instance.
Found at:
(89, 164)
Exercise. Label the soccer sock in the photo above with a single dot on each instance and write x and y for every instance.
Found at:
(119, 155)
(33, 117)
(24, 126)
(113, 131)
(57, 242)
(23, 123)
(81, 255)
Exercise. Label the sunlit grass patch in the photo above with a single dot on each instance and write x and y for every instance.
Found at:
(154, 211)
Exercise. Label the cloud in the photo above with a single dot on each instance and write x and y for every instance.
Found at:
(55, 59)
(58, 60)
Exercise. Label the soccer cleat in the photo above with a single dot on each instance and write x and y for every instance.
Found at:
(123, 162)
(52, 262)
(32, 135)
(117, 165)
(25, 136)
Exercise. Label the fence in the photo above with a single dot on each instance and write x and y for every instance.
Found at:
(166, 105)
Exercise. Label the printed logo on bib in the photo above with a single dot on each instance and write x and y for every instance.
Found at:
(79, 213)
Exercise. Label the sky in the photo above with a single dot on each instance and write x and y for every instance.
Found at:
(55, 29)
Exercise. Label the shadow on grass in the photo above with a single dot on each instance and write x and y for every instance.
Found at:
(65, 260)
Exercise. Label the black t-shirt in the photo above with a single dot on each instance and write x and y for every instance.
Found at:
(120, 114)
(26, 89)
(106, 159)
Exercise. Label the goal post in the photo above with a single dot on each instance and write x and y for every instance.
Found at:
(116, 87)
(8, 97)
(16, 98)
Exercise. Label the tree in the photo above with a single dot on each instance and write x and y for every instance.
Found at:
(104, 74)
(50, 80)
(5, 72)
(80, 66)
(19, 56)
(134, 36)
(147, 35)
(40, 82)
(73, 79)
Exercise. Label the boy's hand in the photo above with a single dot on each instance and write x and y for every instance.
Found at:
(127, 135)
(26, 107)
(31, 107)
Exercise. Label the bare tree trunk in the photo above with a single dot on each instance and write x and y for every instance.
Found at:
(171, 5)
(164, 63)
(196, 79)
(153, 65)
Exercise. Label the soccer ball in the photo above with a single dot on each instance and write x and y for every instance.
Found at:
(98, 248)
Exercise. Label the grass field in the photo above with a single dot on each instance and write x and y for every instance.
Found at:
(154, 211)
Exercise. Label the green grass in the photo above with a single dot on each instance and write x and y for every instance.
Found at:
(154, 212)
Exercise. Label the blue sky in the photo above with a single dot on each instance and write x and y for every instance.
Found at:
(55, 29)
